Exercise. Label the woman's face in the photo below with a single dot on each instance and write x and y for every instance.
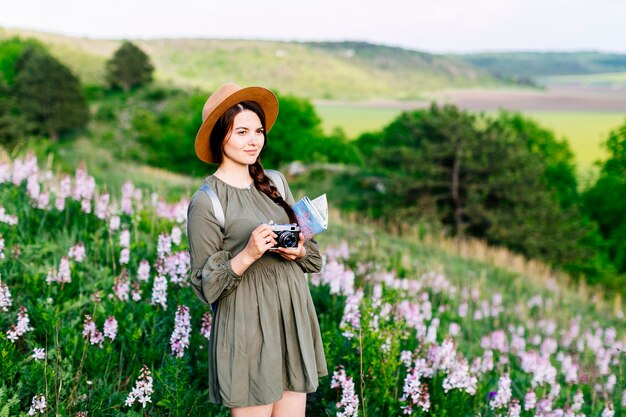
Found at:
(246, 139)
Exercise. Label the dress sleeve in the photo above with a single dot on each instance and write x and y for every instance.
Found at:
(211, 277)
(313, 261)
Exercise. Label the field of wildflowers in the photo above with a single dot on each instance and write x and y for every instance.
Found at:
(96, 318)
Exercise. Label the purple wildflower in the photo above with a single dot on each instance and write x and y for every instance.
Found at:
(5, 296)
(182, 329)
(142, 391)
(349, 399)
(110, 328)
(205, 329)
(38, 405)
(22, 325)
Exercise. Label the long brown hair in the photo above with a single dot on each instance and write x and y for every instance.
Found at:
(262, 182)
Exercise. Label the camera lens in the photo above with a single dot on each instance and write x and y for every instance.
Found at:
(288, 240)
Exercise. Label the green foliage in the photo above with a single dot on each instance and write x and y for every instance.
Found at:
(10, 51)
(297, 136)
(48, 95)
(605, 203)
(503, 179)
(129, 67)
(12, 124)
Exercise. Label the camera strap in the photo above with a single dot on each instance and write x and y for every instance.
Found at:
(218, 211)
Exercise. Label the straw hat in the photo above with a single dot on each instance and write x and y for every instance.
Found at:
(221, 100)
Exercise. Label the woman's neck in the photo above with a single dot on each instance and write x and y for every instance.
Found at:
(235, 175)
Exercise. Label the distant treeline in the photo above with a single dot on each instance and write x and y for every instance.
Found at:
(502, 178)
(528, 65)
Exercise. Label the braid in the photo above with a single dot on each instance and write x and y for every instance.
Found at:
(264, 184)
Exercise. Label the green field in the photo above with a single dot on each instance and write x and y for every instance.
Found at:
(584, 130)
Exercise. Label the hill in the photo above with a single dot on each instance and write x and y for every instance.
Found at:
(337, 70)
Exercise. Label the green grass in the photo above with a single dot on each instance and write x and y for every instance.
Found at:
(585, 131)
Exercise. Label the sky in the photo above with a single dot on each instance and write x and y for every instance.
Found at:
(437, 26)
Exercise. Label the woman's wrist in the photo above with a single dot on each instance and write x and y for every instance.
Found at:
(241, 262)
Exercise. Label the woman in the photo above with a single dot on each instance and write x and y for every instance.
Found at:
(265, 349)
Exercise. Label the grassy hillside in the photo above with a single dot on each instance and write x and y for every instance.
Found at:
(409, 321)
(537, 64)
(344, 70)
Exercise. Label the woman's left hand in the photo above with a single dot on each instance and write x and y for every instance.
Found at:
(293, 253)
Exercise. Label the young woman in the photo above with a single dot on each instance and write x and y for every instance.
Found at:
(265, 349)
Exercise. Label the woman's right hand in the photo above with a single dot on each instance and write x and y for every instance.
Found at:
(261, 239)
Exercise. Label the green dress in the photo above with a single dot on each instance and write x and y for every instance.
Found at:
(265, 337)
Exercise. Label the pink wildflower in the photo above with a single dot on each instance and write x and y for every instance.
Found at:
(101, 209)
(124, 256)
(125, 238)
(121, 286)
(143, 272)
(415, 393)
(5, 297)
(205, 329)
(176, 235)
(114, 223)
(127, 193)
(608, 410)
(349, 399)
(142, 391)
(503, 395)
(38, 405)
(182, 329)
(460, 378)
(39, 354)
(77, 252)
(514, 409)
(159, 292)
(177, 267)
(65, 274)
(22, 325)
(136, 291)
(351, 320)
(7, 218)
(530, 400)
(578, 402)
(110, 328)
(91, 333)
(164, 245)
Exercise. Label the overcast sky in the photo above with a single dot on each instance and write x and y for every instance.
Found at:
(429, 25)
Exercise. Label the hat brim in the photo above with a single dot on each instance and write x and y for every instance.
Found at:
(264, 97)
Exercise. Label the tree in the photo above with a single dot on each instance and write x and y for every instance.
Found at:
(605, 201)
(493, 178)
(48, 95)
(12, 124)
(129, 67)
(10, 51)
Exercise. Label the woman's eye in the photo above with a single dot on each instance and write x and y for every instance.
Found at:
(260, 131)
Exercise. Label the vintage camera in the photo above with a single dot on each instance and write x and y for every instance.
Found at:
(287, 235)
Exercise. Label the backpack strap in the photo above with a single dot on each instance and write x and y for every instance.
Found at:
(277, 180)
(218, 211)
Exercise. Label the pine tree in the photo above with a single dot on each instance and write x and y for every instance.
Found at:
(129, 67)
(48, 95)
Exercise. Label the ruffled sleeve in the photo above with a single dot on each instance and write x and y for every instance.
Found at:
(312, 262)
(212, 277)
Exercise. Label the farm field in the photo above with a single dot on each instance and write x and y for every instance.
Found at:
(569, 113)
